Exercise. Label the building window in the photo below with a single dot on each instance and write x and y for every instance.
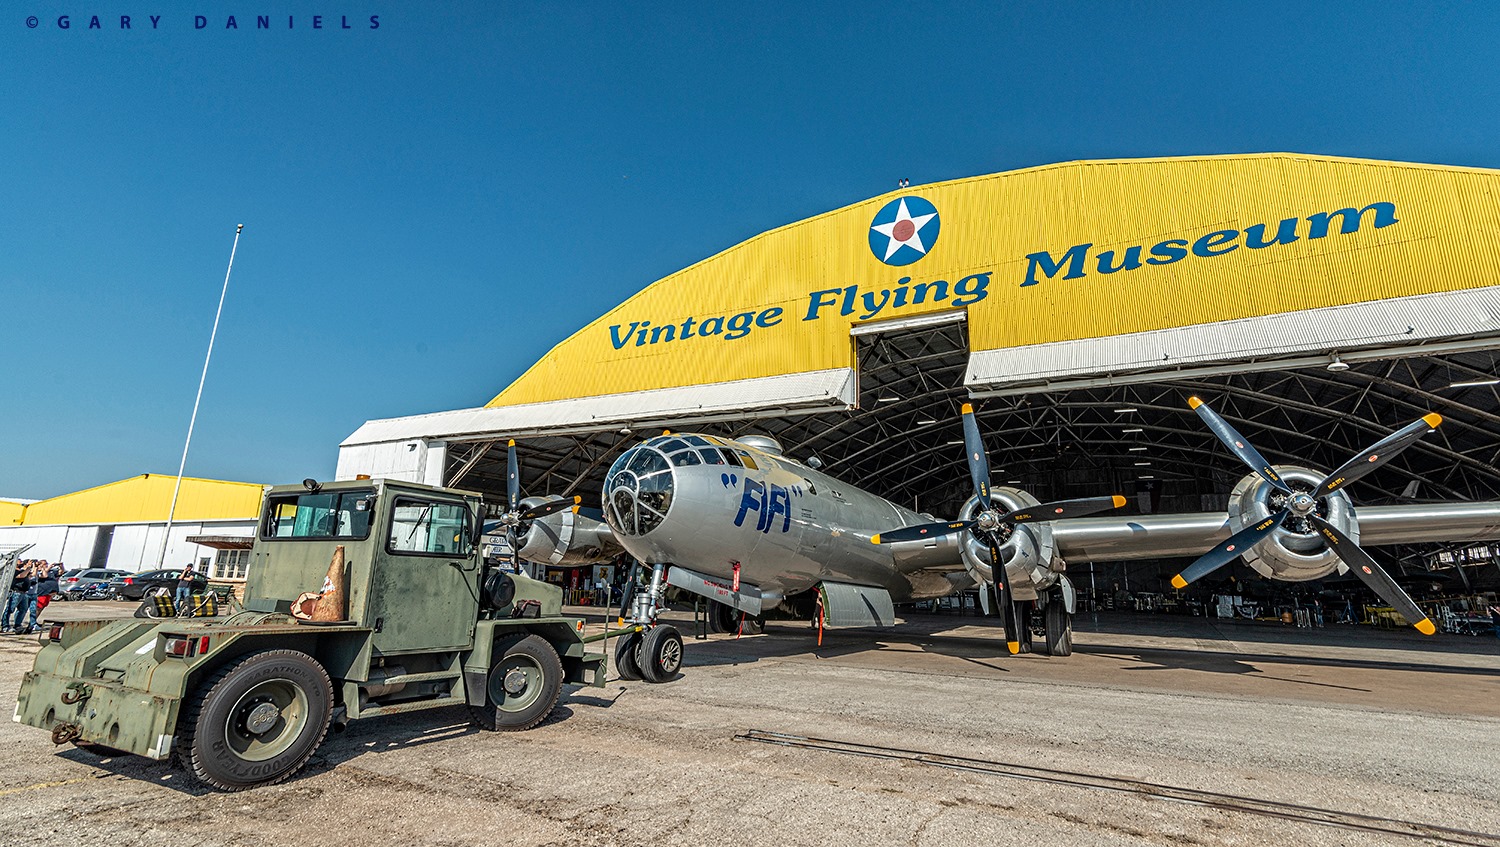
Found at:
(230, 564)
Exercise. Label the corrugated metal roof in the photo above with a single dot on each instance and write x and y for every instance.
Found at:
(832, 388)
(1400, 321)
(147, 499)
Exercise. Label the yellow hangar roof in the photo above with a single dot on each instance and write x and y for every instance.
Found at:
(142, 499)
(1076, 268)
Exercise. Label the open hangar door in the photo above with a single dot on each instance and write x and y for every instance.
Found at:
(903, 439)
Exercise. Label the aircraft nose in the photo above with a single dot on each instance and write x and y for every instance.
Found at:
(638, 491)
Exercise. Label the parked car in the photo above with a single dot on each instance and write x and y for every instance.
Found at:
(137, 585)
(63, 580)
(73, 587)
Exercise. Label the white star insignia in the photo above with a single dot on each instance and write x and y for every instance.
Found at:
(904, 231)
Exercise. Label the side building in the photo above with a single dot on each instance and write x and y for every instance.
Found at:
(122, 525)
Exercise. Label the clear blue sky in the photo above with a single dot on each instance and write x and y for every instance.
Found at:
(431, 205)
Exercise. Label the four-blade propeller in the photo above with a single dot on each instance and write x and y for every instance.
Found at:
(992, 526)
(514, 516)
(1304, 504)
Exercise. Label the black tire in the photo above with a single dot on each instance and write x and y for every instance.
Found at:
(722, 617)
(116, 596)
(217, 736)
(1059, 628)
(627, 656)
(524, 685)
(661, 654)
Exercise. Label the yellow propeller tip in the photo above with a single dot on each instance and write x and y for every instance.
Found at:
(1194, 402)
(967, 409)
(511, 443)
(575, 508)
(577, 499)
(875, 539)
(1119, 500)
(1179, 582)
(1432, 419)
(1425, 626)
(1014, 647)
(619, 621)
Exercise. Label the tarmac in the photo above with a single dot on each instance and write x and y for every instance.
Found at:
(1362, 735)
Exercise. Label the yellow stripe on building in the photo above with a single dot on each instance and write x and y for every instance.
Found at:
(147, 499)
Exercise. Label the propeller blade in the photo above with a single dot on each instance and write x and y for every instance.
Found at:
(979, 463)
(512, 477)
(1064, 509)
(1227, 550)
(1002, 594)
(920, 531)
(549, 507)
(1378, 454)
(510, 541)
(1237, 444)
(1374, 576)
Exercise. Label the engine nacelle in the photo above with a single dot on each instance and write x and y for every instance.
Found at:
(1028, 552)
(1295, 552)
(566, 538)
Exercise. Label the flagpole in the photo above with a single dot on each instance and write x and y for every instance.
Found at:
(172, 512)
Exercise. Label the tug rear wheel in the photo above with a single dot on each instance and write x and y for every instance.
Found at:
(524, 685)
(256, 721)
(661, 654)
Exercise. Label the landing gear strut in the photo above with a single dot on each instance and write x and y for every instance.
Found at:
(655, 653)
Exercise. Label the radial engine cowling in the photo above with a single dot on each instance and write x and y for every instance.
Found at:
(1295, 552)
(1026, 549)
(566, 538)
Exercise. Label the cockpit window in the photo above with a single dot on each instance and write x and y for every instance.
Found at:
(730, 457)
(672, 445)
(748, 460)
(711, 456)
(685, 458)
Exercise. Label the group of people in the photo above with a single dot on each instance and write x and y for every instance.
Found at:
(31, 589)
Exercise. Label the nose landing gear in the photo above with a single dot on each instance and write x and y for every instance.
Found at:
(653, 651)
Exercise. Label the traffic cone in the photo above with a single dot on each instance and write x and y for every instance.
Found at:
(331, 601)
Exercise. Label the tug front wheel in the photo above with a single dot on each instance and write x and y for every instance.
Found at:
(524, 685)
(660, 657)
(257, 720)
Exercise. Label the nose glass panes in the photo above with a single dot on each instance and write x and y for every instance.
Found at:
(640, 491)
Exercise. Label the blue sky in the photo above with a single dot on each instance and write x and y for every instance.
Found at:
(431, 205)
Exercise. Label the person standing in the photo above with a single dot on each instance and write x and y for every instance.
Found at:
(185, 587)
(19, 601)
(46, 586)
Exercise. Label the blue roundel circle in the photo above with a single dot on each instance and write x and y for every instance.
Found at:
(904, 230)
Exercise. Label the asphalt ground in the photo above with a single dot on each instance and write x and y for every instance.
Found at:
(1389, 725)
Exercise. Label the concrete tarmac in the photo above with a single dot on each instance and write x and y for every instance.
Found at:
(1385, 724)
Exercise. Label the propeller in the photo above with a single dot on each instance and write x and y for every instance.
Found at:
(514, 516)
(990, 525)
(1304, 504)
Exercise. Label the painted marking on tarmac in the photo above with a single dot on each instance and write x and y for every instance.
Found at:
(9, 791)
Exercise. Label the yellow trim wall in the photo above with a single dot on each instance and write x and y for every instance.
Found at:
(1062, 252)
(144, 499)
(11, 513)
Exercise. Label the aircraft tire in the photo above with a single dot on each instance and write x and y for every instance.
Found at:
(524, 685)
(722, 617)
(1059, 628)
(627, 657)
(661, 654)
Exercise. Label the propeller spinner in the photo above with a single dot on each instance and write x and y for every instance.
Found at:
(992, 526)
(1304, 505)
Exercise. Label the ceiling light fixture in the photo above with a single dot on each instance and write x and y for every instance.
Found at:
(1475, 383)
(1143, 464)
(1125, 411)
(926, 421)
(1137, 449)
(1337, 364)
(1137, 429)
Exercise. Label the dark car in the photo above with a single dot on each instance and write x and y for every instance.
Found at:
(73, 587)
(137, 585)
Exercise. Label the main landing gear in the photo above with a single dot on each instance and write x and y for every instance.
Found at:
(653, 652)
(1047, 617)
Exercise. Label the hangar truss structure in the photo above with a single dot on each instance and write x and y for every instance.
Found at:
(1318, 302)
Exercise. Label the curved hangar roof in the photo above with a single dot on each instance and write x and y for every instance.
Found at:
(1083, 275)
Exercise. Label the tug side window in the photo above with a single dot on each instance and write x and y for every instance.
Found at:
(429, 527)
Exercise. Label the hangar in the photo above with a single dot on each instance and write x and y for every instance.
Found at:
(1319, 301)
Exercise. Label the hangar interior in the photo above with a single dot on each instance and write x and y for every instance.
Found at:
(1313, 353)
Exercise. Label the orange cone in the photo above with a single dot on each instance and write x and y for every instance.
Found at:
(331, 601)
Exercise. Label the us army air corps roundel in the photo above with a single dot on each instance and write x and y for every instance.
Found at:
(904, 230)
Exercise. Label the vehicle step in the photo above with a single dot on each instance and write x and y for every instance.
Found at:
(407, 706)
(409, 678)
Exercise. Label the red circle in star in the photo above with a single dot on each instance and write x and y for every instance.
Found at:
(904, 230)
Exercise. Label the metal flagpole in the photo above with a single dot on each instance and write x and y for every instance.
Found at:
(172, 512)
